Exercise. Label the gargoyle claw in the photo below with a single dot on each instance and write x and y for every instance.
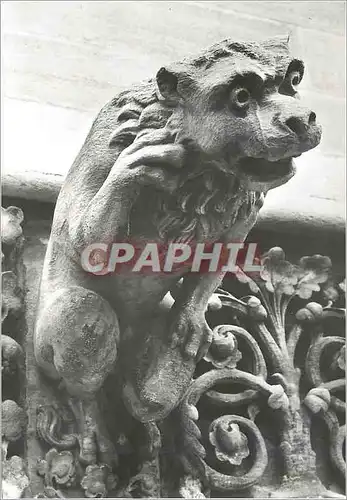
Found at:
(193, 336)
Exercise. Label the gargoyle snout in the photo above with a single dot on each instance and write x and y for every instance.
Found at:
(301, 124)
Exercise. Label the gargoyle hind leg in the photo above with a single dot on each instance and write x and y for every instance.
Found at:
(76, 341)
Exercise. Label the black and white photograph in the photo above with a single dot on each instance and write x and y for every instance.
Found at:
(173, 249)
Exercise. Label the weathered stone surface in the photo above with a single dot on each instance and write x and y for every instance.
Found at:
(131, 397)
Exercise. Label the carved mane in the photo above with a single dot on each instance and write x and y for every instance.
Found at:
(207, 197)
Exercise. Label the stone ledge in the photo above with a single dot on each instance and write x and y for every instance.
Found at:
(38, 186)
(287, 206)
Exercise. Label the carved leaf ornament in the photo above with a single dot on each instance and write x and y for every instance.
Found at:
(272, 337)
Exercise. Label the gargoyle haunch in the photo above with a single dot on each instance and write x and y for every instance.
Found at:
(188, 156)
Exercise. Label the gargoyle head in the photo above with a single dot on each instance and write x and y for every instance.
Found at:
(238, 103)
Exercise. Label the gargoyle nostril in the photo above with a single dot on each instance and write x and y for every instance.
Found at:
(300, 125)
(296, 125)
(312, 118)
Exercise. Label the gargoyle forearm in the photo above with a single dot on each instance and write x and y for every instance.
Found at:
(115, 197)
(196, 291)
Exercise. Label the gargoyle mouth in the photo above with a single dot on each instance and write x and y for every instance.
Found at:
(259, 173)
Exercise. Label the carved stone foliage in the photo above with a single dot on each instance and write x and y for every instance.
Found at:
(280, 359)
(14, 476)
(271, 383)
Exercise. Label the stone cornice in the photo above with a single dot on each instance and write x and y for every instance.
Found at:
(286, 211)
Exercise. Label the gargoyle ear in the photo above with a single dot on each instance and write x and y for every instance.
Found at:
(167, 81)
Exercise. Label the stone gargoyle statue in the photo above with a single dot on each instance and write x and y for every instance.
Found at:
(185, 157)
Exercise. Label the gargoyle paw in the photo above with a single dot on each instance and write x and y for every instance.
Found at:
(193, 335)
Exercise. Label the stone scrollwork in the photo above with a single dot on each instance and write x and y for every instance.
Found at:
(297, 370)
(275, 360)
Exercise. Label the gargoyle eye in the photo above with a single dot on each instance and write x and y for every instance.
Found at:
(240, 97)
(294, 78)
